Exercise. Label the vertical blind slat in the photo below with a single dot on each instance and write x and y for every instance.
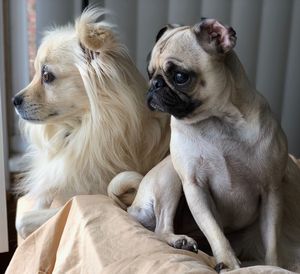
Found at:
(273, 46)
(245, 19)
(291, 109)
(52, 13)
(184, 12)
(217, 9)
(152, 16)
(125, 18)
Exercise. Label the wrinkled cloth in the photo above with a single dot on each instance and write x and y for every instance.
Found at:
(91, 234)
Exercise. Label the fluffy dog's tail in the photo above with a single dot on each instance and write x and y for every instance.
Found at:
(123, 187)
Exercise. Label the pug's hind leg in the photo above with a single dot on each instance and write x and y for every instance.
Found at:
(144, 214)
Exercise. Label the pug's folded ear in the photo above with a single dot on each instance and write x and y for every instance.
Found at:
(94, 36)
(214, 37)
(164, 29)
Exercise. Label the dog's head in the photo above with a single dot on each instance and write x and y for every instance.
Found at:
(57, 91)
(186, 67)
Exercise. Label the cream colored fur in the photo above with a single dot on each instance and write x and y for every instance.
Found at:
(90, 123)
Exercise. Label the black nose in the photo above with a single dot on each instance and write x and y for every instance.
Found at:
(158, 82)
(17, 100)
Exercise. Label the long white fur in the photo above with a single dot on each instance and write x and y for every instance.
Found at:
(82, 152)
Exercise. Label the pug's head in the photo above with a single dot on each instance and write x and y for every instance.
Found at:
(186, 68)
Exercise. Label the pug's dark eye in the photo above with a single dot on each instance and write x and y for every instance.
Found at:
(48, 77)
(180, 78)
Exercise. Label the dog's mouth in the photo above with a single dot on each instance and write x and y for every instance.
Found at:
(154, 106)
(29, 117)
(154, 103)
(166, 100)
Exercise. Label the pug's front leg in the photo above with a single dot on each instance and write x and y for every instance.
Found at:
(271, 210)
(165, 210)
(200, 203)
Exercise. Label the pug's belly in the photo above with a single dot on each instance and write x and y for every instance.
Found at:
(237, 201)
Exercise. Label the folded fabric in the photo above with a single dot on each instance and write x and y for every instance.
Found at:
(91, 234)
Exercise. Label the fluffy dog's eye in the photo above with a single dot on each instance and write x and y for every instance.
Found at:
(48, 77)
(181, 78)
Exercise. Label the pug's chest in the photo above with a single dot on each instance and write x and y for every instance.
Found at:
(236, 190)
(222, 163)
(217, 150)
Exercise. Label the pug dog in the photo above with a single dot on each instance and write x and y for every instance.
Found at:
(228, 149)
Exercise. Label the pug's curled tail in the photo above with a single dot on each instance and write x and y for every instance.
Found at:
(123, 188)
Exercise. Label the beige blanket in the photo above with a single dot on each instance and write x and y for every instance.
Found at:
(93, 235)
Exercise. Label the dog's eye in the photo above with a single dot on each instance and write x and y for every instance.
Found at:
(48, 77)
(181, 78)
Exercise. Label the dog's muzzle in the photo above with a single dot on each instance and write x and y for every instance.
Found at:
(162, 98)
(154, 94)
(153, 102)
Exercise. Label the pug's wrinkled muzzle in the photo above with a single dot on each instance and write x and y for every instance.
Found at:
(154, 101)
(166, 100)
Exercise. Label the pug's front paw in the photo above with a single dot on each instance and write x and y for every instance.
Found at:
(221, 267)
(228, 263)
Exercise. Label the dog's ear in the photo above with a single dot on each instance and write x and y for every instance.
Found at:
(161, 33)
(215, 37)
(94, 36)
(164, 29)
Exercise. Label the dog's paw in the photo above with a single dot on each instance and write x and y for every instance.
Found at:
(227, 263)
(24, 227)
(179, 241)
(221, 268)
(30, 221)
(183, 242)
(186, 243)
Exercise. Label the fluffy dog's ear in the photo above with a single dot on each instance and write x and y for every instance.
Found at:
(164, 29)
(94, 36)
(214, 37)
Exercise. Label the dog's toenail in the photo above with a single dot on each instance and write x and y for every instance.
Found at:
(195, 247)
(220, 266)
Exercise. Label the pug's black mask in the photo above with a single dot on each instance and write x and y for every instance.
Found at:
(165, 99)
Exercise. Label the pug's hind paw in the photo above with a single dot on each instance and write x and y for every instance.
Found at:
(186, 243)
(179, 241)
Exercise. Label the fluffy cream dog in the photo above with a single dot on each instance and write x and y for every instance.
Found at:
(84, 117)
(226, 146)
